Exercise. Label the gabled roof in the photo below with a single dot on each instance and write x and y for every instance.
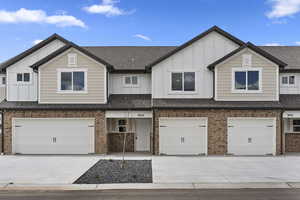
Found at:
(214, 28)
(31, 50)
(36, 65)
(253, 48)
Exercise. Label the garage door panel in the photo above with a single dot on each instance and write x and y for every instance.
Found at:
(251, 136)
(182, 136)
(53, 136)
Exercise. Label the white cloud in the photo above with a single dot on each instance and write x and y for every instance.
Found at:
(297, 43)
(24, 15)
(283, 8)
(107, 8)
(142, 37)
(272, 44)
(36, 42)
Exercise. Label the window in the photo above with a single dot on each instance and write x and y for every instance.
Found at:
(183, 81)
(288, 80)
(3, 80)
(131, 81)
(72, 81)
(296, 125)
(122, 125)
(246, 80)
(72, 59)
(23, 77)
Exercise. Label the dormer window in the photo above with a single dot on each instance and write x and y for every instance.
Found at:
(72, 59)
(246, 80)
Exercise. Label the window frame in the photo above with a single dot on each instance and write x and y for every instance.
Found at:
(59, 71)
(130, 84)
(288, 81)
(292, 126)
(126, 126)
(23, 82)
(1, 83)
(246, 69)
(182, 75)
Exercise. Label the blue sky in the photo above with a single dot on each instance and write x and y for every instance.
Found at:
(144, 22)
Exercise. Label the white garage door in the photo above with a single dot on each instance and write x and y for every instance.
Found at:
(251, 136)
(183, 136)
(53, 136)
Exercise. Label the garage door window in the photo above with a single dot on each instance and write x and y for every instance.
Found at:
(296, 125)
(72, 81)
(246, 80)
(183, 81)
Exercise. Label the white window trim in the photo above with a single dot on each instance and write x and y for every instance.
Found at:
(23, 82)
(182, 91)
(70, 56)
(288, 79)
(71, 91)
(235, 69)
(131, 85)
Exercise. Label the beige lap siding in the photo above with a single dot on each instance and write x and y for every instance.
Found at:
(217, 125)
(100, 124)
(96, 80)
(269, 79)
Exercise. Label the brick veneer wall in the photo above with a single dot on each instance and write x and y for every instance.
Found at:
(292, 142)
(100, 124)
(217, 125)
(116, 142)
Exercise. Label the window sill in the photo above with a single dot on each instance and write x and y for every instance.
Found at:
(182, 93)
(71, 92)
(131, 86)
(246, 91)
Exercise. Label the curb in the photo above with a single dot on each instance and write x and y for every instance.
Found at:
(149, 186)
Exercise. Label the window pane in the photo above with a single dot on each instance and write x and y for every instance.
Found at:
(122, 129)
(296, 128)
(19, 77)
(3, 80)
(134, 80)
(284, 80)
(177, 81)
(127, 80)
(78, 81)
(189, 81)
(26, 77)
(296, 122)
(122, 122)
(253, 77)
(240, 80)
(291, 80)
(66, 81)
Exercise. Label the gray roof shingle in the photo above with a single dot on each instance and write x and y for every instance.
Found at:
(129, 57)
(288, 54)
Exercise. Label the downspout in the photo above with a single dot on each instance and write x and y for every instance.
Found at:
(282, 134)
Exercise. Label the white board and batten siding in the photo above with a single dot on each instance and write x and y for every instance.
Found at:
(2, 88)
(95, 80)
(195, 57)
(117, 86)
(27, 92)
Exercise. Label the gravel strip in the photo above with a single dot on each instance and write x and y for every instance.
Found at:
(110, 171)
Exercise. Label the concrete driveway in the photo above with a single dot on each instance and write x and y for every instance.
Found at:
(43, 169)
(226, 169)
(165, 169)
